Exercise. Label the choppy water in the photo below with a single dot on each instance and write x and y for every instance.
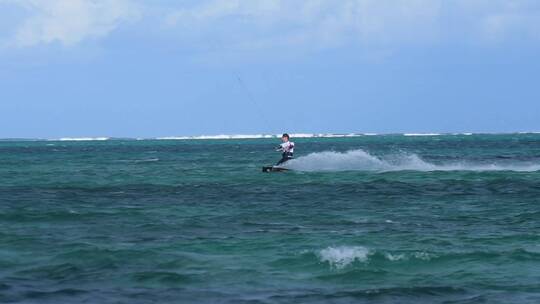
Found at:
(378, 219)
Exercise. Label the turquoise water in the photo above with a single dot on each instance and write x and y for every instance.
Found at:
(378, 219)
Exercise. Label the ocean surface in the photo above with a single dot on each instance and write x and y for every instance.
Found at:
(364, 219)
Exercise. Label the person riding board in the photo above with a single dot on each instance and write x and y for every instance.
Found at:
(287, 149)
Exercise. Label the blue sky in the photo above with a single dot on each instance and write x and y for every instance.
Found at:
(128, 68)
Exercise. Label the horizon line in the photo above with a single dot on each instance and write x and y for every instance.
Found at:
(265, 136)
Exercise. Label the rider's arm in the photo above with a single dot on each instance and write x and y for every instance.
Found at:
(281, 147)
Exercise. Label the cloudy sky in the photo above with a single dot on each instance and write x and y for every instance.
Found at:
(145, 68)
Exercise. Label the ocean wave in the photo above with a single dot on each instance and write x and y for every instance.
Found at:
(421, 134)
(340, 257)
(343, 256)
(420, 255)
(262, 136)
(82, 138)
(147, 160)
(136, 161)
(360, 160)
(256, 136)
(221, 136)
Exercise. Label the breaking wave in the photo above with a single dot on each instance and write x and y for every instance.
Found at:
(421, 134)
(256, 136)
(360, 160)
(82, 138)
(339, 257)
(342, 256)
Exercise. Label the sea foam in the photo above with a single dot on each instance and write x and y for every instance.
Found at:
(422, 134)
(343, 256)
(220, 136)
(360, 160)
(256, 136)
(82, 138)
(340, 257)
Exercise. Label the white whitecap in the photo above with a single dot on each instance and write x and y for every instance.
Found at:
(219, 136)
(83, 138)
(257, 136)
(146, 160)
(421, 134)
(423, 256)
(395, 257)
(340, 257)
(420, 255)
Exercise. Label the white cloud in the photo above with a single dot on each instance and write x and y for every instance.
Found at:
(263, 24)
(326, 22)
(322, 23)
(69, 21)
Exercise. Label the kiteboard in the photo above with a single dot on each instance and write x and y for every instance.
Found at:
(268, 169)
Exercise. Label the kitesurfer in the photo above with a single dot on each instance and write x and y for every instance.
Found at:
(287, 149)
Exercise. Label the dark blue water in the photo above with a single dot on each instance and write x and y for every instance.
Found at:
(378, 219)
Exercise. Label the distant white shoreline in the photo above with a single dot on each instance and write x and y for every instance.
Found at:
(262, 136)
